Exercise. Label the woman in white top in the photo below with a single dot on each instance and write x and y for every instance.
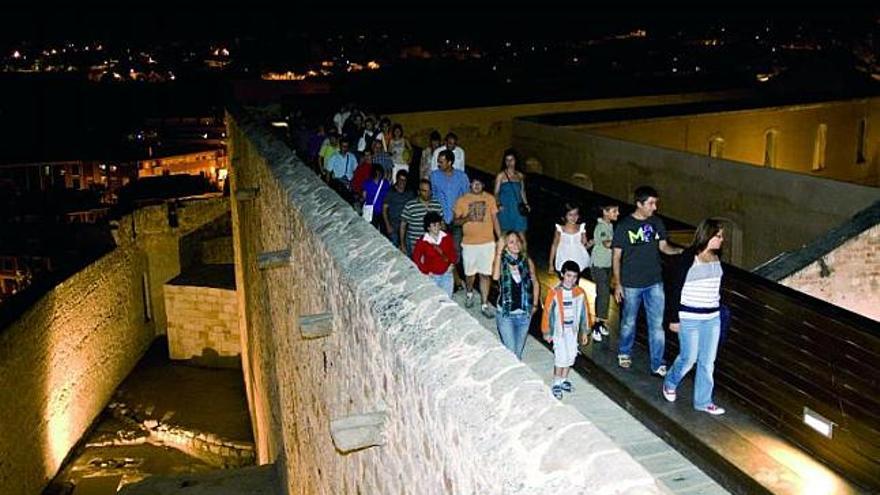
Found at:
(694, 311)
(570, 241)
(400, 149)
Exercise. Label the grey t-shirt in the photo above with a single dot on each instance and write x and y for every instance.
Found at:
(396, 201)
(640, 260)
(601, 254)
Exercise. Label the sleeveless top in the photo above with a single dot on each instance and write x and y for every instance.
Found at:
(571, 248)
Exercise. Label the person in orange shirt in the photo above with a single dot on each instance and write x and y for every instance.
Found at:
(566, 322)
(477, 213)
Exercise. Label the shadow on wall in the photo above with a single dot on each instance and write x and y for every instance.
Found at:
(210, 358)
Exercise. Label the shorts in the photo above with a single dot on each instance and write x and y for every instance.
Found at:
(478, 258)
(565, 348)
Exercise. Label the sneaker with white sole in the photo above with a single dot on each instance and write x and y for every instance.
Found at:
(566, 386)
(669, 395)
(624, 361)
(713, 410)
(488, 311)
(469, 300)
(603, 329)
(660, 371)
(557, 391)
(597, 336)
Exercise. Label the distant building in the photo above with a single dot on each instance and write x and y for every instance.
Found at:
(211, 164)
(73, 174)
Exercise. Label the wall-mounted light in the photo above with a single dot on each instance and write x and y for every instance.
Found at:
(279, 124)
(818, 422)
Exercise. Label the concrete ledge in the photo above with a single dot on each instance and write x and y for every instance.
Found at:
(359, 431)
(316, 326)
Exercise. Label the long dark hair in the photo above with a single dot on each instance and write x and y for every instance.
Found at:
(706, 230)
(511, 152)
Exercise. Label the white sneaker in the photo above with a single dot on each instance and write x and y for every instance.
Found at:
(661, 371)
(469, 300)
(603, 329)
(597, 336)
(669, 395)
(713, 410)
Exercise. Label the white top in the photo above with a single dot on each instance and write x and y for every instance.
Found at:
(339, 119)
(571, 248)
(702, 289)
(458, 164)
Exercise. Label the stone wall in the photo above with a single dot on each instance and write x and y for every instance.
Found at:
(203, 324)
(848, 276)
(462, 415)
(485, 132)
(743, 135)
(62, 361)
(770, 211)
(149, 225)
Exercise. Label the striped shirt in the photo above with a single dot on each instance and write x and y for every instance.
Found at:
(702, 289)
(413, 214)
(567, 310)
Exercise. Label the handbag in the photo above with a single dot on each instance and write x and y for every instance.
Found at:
(523, 209)
(724, 313)
(367, 211)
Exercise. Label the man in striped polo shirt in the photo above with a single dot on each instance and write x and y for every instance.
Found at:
(414, 211)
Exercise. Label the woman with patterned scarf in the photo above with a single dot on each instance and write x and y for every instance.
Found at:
(518, 291)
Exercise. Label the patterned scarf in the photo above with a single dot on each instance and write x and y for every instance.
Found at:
(507, 283)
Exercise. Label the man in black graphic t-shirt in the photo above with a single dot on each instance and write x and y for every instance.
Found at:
(637, 277)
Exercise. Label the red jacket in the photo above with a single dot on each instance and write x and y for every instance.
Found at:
(429, 260)
(361, 174)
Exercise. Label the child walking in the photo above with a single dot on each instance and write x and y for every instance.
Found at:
(570, 241)
(601, 268)
(565, 323)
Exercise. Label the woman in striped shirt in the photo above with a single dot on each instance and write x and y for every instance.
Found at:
(693, 307)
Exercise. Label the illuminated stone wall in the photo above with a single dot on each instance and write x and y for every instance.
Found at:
(485, 132)
(743, 134)
(61, 361)
(850, 277)
(203, 324)
(770, 211)
(462, 414)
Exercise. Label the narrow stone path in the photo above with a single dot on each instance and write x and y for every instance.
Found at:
(672, 470)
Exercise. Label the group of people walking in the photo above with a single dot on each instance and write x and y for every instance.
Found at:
(452, 219)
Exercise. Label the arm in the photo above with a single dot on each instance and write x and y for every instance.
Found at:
(551, 265)
(403, 235)
(522, 178)
(615, 274)
(496, 225)
(385, 217)
(665, 248)
(497, 184)
(449, 249)
(496, 264)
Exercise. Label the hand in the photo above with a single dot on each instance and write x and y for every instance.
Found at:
(550, 270)
(674, 327)
(584, 338)
(499, 246)
(548, 337)
(534, 310)
(618, 294)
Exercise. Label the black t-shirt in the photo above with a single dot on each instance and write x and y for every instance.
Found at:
(640, 259)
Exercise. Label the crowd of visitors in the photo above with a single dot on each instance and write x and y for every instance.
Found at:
(423, 200)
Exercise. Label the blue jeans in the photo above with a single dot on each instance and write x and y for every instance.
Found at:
(444, 282)
(654, 305)
(698, 343)
(513, 330)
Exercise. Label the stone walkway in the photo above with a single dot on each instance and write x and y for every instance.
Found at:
(672, 470)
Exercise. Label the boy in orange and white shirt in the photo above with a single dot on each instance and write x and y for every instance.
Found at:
(566, 316)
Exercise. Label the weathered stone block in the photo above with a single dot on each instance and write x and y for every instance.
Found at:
(247, 193)
(273, 259)
(316, 326)
(359, 431)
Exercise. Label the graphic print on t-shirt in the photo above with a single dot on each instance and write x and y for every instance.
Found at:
(476, 211)
(644, 235)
